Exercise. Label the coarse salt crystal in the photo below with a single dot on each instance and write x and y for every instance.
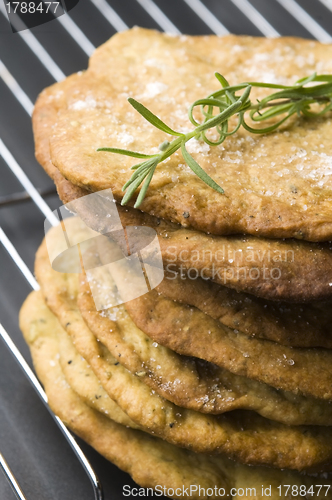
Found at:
(194, 146)
(153, 89)
(125, 138)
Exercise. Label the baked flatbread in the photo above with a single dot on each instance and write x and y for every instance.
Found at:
(302, 325)
(294, 325)
(183, 329)
(276, 185)
(81, 378)
(291, 270)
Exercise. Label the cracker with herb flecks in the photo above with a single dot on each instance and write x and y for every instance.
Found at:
(190, 382)
(192, 332)
(276, 185)
(294, 325)
(291, 270)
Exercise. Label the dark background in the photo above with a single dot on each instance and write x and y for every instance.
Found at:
(37, 453)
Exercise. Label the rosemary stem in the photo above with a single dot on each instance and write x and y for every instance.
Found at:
(284, 102)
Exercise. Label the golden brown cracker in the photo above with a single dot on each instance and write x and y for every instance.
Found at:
(83, 381)
(276, 185)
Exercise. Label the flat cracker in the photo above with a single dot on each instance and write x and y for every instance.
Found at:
(186, 382)
(294, 325)
(149, 460)
(272, 269)
(303, 270)
(244, 435)
(276, 185)
(289, 270)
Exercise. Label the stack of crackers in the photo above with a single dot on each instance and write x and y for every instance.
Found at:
(218, 381)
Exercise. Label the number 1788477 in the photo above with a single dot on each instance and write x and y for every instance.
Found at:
(31, 7)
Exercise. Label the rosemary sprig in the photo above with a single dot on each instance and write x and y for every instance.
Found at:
(217, 109)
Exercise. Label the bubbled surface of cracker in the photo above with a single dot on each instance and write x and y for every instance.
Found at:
(276, 185)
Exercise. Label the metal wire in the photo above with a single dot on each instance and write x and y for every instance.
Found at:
(109, 13)
(18, 260)
(256, 18)
(327, 4)
(77, 34)
(98, 493)
(26, 103)
(158, 15)
(207, 17)
(23, 196)
(36, 47)
(11, 478)
(306, 20)
(27, 184)
(15, 88)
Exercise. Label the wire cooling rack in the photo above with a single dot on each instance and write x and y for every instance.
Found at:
(36, 461)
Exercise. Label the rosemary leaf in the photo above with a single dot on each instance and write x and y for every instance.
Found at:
(126, 152)
(197, 169)
(145, 186)
(138, 173)
(216, 110)
(150, 117)
(132, 188)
